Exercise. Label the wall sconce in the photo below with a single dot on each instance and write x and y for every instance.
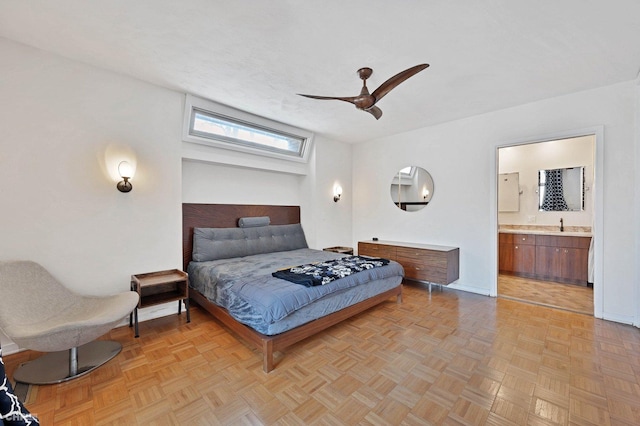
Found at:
(337, 193)
(425, 193)
(126, 171)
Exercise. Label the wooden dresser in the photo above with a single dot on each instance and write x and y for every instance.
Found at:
(421, 262)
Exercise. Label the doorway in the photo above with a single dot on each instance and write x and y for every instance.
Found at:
(545, 250)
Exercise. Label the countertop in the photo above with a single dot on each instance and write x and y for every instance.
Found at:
(546, 232)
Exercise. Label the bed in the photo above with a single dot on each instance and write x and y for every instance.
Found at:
(224, 274)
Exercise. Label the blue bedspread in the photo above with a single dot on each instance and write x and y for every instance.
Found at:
(246, 288)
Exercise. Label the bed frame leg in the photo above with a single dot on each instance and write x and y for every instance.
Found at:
(267, 356)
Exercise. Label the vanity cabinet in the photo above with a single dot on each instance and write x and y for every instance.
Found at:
(505, 252)
(517, 253)
(547, 257)
(562, 258)
(421, 262)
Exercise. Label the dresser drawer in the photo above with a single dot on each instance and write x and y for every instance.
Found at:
(434, 259)
(421, 272)
(377, 250)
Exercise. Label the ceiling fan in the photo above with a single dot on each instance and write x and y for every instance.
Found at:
(367, 101)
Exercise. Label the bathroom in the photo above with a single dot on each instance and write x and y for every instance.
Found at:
(546, 250)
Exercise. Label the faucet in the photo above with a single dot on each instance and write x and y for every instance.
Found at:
(561, 225)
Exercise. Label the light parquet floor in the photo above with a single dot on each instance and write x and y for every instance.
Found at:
(564, 296)
(452, 358)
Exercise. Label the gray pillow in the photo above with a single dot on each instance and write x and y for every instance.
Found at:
(250, 222)
(225, 243)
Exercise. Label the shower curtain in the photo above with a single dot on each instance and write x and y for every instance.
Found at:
(553, 192)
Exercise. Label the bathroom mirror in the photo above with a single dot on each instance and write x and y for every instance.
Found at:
(411, 188)
(509, 192)
(561, 189)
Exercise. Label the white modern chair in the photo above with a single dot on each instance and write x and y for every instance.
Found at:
(39, 313)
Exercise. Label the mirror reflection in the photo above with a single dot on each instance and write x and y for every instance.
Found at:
(411, 188)
(561, 189)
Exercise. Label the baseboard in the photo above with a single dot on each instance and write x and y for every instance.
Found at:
(623, 319)
(153, 312)
(455, 286)
(470, 289)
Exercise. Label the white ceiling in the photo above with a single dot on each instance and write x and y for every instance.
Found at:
(256, 55)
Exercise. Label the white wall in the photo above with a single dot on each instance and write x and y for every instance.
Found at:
(332, 221)
(635, 226)
(461, 157)
(64, 127)
(325, 222)
(528, 159)
(223, 184)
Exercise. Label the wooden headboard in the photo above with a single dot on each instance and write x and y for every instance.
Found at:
(226, 216)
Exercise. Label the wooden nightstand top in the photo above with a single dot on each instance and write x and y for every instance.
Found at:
(340, 249)
(160, 277)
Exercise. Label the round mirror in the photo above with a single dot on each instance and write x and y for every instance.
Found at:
(411, 188)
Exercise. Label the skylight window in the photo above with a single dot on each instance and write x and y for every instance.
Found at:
(213, 124)
(407, 172)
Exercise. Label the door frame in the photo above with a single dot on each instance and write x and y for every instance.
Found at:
(598, 207)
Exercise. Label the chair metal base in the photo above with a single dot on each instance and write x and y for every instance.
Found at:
(57, 367)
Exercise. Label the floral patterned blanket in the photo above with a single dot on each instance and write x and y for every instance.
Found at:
(322, 273)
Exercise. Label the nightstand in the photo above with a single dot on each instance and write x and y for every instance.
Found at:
(159, 287)
(339, 249)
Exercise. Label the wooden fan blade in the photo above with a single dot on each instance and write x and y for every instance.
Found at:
(349, 99)
(388, 85)
(375, 111)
